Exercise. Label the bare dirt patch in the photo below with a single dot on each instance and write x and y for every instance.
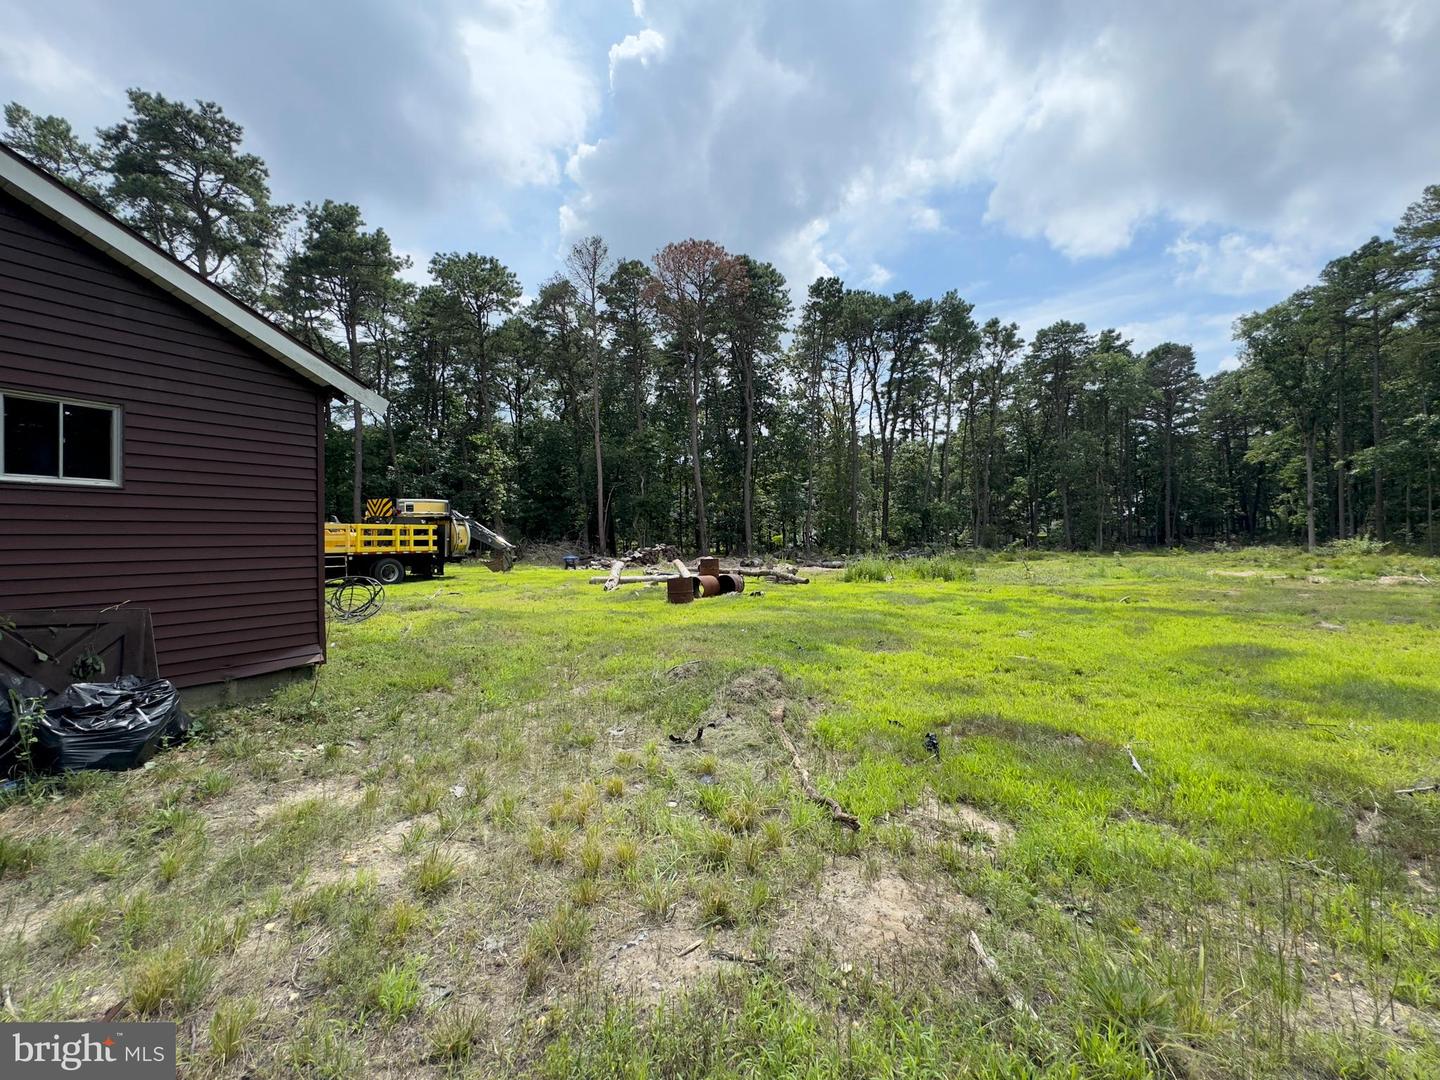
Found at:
(1404, 579)
(338, 790)
(1346, 1005)
(28, 916)
(758, 690)
(656, 961)
(956, 822)
(243, 808)
(1368, 826)
(865, 920)
(377, 854)
(734, 726)
(381, 854)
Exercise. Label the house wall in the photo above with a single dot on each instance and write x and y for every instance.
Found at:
(216, 526)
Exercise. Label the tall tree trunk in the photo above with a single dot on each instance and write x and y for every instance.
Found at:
(932, 436)
(945, 453)
(886, 456)
(1341, 472)
(983, 535)
(1099, 507)
(969, 458)
(749, 368)
(1379, 526)
(700, 538)
(1168, 520)
(601, 533)
(1310, 489)
(1429, 487)
(854, 457)
(1122, 484)
(1065, 511)
(1257, 500)
(1430, 503)
(394, 449)
(357, 501)
(807, 538)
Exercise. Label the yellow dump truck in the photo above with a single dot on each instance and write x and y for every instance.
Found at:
(418, 536)
(462, 536)
(384, 551)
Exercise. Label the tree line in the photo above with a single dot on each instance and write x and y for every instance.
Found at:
(685, 399)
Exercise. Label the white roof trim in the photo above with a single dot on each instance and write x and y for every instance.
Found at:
(57, 202)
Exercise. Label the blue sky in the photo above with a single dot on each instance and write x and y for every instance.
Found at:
(1157, 167)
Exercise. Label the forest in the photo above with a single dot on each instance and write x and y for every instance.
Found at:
(686, 396)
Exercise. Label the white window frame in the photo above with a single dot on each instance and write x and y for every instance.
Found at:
(117, 441)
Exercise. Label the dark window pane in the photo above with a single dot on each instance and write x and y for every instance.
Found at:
(32, 437)
(87, 442)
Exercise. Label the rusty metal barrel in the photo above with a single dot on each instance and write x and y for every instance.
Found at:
(681, 590)
(709, 566)
(709, 585)
(731, 583)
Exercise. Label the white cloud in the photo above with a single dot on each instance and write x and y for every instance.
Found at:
(1142, 305)
(43, 69)
(1243, 128)
(877, 277)
(761, 127)
(1238, 265)
(802, 257)
(926, 219)
(531, 97)
(637, 47)
(1286, 120)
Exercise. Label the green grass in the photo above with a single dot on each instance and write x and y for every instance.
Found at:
(928, 568)
(482, 777)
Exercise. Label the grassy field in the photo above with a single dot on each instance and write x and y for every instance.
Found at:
(471, 848)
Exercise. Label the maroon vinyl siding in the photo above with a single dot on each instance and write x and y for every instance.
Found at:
(216, 525)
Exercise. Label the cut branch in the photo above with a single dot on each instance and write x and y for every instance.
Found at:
(992, 969)
(1134, 761)
(1418, 789)
(837, 812)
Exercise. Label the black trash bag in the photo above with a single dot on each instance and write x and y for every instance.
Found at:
(109, 725)
(15, 688)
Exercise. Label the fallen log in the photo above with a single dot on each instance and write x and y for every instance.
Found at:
(775, 575)
(614, 579)
(779, 576)
(837, 812)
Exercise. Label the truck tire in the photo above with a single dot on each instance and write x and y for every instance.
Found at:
(388, 571)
